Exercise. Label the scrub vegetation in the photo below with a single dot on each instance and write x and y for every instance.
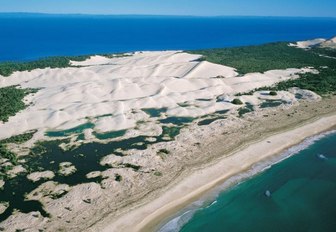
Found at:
(10, 156)
(7, 68)
(11, 101)
(281, 56)
(237, 101)
(19, 138)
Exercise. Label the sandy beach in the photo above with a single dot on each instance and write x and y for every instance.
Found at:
(150, 216)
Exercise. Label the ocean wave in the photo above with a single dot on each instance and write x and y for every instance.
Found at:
(176, 224)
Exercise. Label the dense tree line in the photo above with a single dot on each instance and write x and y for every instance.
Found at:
(281, 56)
(7, 68)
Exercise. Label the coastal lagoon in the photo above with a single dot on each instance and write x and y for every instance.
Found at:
(32, 36)
(296, 194)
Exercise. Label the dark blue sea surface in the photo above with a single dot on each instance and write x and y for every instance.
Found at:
(297, 194)
(31, 36)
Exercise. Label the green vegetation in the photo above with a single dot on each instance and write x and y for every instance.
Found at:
(170, 132)
(133, 166)
(324, 83)
(11, 101)
(19, 138)
(118, 177)
(281, 56)
(325, 51)
(7, 68)
(271, 103)
(209, 120)
(116, 55)
(165, 151)
(237, 101)
(273, 93)
(266, 57)
(4, 153)
(157, 173)
(247, 109)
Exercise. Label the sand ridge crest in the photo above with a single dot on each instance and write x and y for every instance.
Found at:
(116, 86)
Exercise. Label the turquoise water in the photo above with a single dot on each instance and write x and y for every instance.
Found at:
(302, 197)
(47, 155)
(77, 129)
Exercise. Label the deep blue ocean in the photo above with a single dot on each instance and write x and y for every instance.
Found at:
(31, 36)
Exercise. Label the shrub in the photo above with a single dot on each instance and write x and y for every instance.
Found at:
(157, 173)
(273, 93)
(117, 177)
(237, 101)
(165, 151)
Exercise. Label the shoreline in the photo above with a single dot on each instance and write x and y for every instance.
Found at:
(210, 198)
(152, 216)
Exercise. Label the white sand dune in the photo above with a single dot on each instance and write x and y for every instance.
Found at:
(330, 43)
(308, 43)
(116, 86)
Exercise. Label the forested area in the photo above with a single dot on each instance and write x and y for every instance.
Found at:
(281, 56)
(11, 101)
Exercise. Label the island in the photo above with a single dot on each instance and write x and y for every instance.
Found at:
(120, 142)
